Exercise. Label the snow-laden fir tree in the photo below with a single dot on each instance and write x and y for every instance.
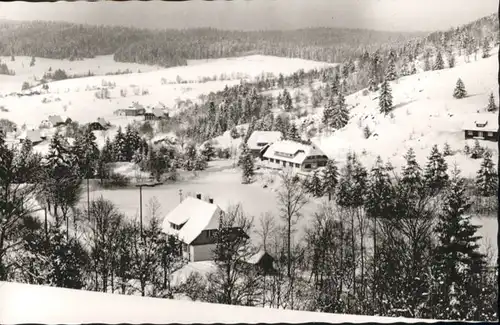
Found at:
(439, 63)
(459, 92)
(411, 173)
(458, 263)
(372, 84)
(477, 151)
(450, 56)
(33, 61)
(287, 101)
(447, 150)
(200, 162)
(435, 174)
(293, 132)
(486, 47)
(330, 178)
(385, 98)
(427, 62)
(405, 66)
(492, 106)
(208, 150)
(390, 73)
(352, 183)
(329, 112)
(379, 195)
(246, 162)
(234, 133)
(335, 87)
(487, 177)
(87, 153)
(314, 184)
(119, 145)
(340, 116)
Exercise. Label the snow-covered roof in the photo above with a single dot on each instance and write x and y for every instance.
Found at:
(197, 215)
(69, 306)
(489, 120)
(263, 138)
(291, 151)
(55, 119)
(32, 135)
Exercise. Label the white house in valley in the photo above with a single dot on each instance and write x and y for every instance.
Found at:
(298, 156)
(259, 139)
(195, 223)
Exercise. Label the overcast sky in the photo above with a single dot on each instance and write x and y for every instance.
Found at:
(394, 15)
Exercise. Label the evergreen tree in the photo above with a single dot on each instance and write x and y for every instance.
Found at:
(385, 98)
(87, 153)
(246, 162)
(200, 162)
(334, 89)
(314, 185)
(132, 142)
(328, 112)
(120, 145)
(330, 178)
(293, 133)
(492, 106)
(372, 84)
(451, 58)
(411, 176)
(379, 196)
(478, 151)
(458, 263)
(487, 177)
(427, 62)
(486, 48)
(459, 92)
(208, 150)
(390, 73)
(32, 62)
(287, 101)
(340, 116)
(439, 64)
(447, 150)
(435, 175)
(234, 133)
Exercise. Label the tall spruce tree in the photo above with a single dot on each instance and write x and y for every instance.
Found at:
(314, 184)
(340, 116)
(246, 162)
(457, 263)
(435, 174)
(486, 48)
(411, 175)
(492, 106)
(487, 177)
(293, 132)
(439, 64)
(330, 178)
(390, 73)
(385, 98)
(459, 92)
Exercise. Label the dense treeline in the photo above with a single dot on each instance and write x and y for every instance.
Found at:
(174, 47)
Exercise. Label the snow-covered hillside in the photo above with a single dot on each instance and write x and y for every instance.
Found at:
(425, 113)
(76, 98)
(25, 303)
(99, 66)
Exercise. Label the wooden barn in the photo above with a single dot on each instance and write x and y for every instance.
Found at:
(482, 126)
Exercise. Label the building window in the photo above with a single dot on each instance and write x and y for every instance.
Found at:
(271, 160)
(480, 134)
(297, 165)
(322, 163)
(470, 132)
(290, 164)
(307, 166)
(490, 134)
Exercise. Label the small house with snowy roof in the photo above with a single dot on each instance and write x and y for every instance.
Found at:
(482, 126)
(298, 156)
(259, 139)
(195, 223)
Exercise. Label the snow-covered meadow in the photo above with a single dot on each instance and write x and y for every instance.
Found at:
(70, 306)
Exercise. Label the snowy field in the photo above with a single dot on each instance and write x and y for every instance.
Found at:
(76, 98)
(69, 306)
(425, 113)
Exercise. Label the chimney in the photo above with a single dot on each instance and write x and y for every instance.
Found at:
(198, 196)
(210, 200)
